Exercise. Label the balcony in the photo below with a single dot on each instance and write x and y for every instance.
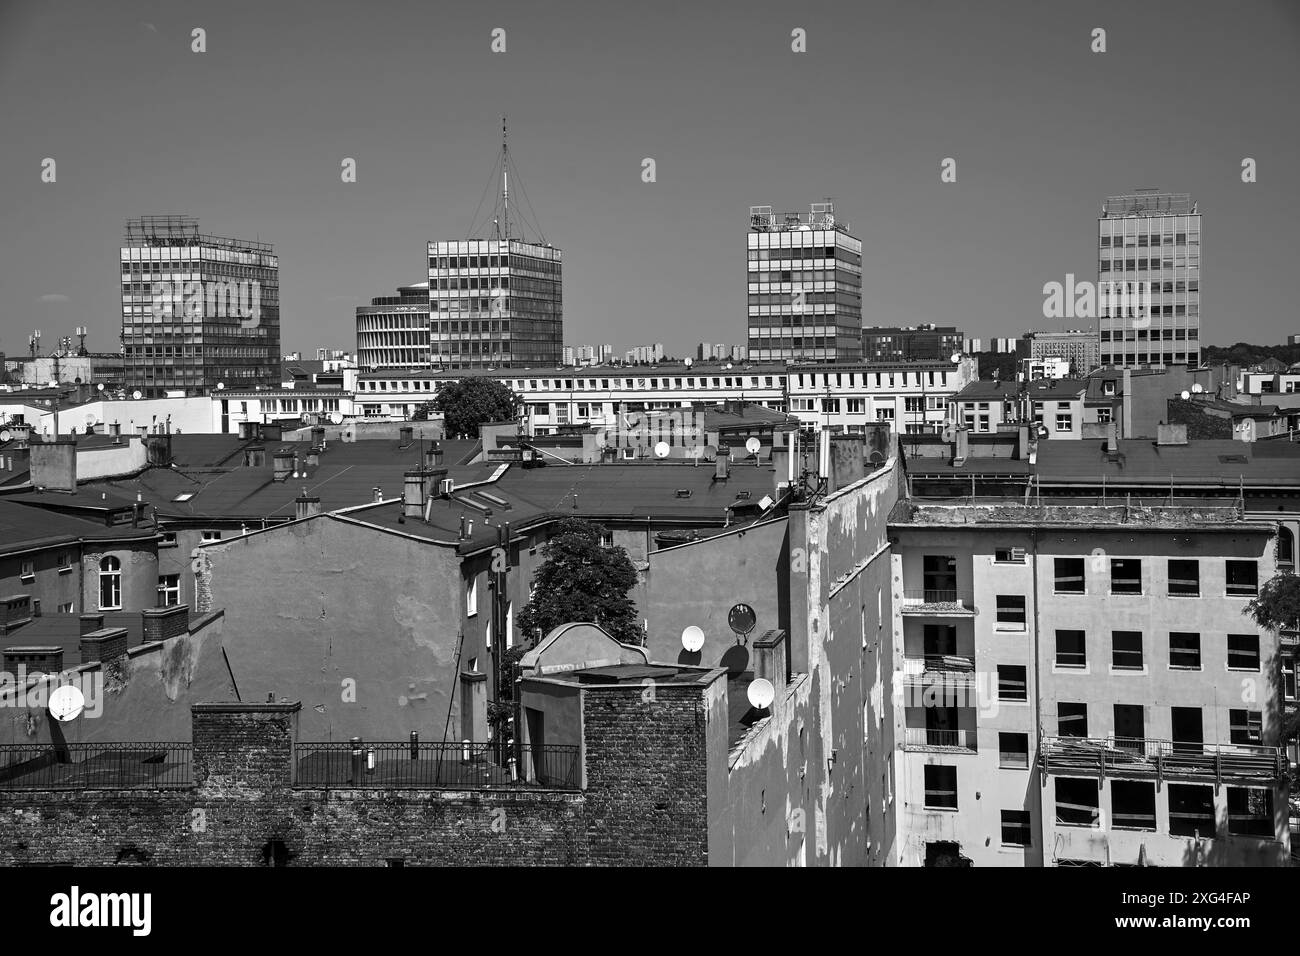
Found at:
(929, 602)
(1160, 759)
(466, 765)
(946, 672)
(924, 738)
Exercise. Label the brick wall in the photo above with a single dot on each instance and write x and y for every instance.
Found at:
(640, 805)
(160, 623)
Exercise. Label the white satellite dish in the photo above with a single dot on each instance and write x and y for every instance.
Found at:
(761, 693)
(688, 363)
(1198, 388)
(91, 419)
(54, 383)
(100, 386)
(1186, 395)
(662, 449)
(728, 365)
(956, 357)
(752, 445)
(220, 386)
(66, 703)
(692, 639)
(137, 395)
(336, 418)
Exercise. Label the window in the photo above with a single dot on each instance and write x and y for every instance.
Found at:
(1015, 828)
(110, 584)
(1009, 555)
(1013, 750)
(168, 540)
(1064, 423)
(471, 597)
(940, 787)
(1125, 576)
(169, 590)
(27, 569)
(66, 608)
(1071, 719)
(211, 535)
(1250, 811)
(1191, 810)
(1069, 576)
(1078, 802)
(1012, 684)
(1133, 805)
(1071, 649)
(1245, 726)
(65, 561)
(1288, 677)
(1185, 650)
(1285, 548)
(1243, 578)
(1126, 650)
(1243, 652)
(1184, 579)
(1011, 611)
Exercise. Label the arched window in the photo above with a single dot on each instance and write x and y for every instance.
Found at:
(1285, 547)
(110, 584)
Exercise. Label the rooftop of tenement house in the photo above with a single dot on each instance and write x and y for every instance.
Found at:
(1011, 513)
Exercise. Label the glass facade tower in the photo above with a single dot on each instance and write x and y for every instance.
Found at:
(197, 310)
(495, 303)
(805, 286)
(1149, 243)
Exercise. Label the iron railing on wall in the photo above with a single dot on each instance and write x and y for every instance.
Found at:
(106, 766)
(462, 765)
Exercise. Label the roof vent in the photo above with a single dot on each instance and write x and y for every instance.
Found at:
(683, 492)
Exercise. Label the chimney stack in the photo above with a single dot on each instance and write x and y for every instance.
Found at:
(306, 505)
(433, 455)
(722, 464)
(283, 464)
(378, 495)
(418, 487)
(405, 434)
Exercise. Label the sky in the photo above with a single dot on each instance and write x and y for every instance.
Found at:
(249, 136)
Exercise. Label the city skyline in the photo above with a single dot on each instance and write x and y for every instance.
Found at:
(969, 253)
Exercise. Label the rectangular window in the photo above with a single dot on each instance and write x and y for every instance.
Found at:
(1071, 719)
(1009, 555)
(1011, 611)
(940, 787)
(1184, 579)
(1013, 751)
(1191, 810)
(1125, 576)
(1185, 650)
(1064, 423)
(1245, 726)
(27, 569)
(211, 535)
(471, 597)
(1069, 576)
(1250, 811)
(1133, 805)
(1016, 828)
(1071, 649)
(1243, 652)
(1243, 578)
(1078, 802)
(169, 590)
(1012, 683)
(1126, 650)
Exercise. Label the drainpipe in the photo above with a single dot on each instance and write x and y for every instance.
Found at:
(1038, 700)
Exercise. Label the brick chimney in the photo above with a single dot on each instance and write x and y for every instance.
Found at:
(103, 646)
(244, 745)
(160, 623)
(91, 622)
(15, 611)
(35, 658)
(254, 456)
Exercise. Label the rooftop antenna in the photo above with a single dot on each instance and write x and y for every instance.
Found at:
(505, 182)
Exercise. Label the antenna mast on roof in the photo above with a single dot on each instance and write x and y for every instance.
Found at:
(505, 182)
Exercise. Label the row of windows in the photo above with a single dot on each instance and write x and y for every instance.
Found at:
(1127, 654)
(1152, 239)
(1241, 576)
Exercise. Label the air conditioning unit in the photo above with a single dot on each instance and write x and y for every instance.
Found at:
(446, 486)
(629, 454)
(1018, 554)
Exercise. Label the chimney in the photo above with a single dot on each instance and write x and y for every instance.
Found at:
(306, 505)
(433, 455)
(1111, 445)
(313, 457)
(54, 465)
(416, 490)
(771, 662)
(722, 464)
(115, 429)
(318, 435)
(91, 622)
(848, 460)
(1171, 434)
(34, 658)
(378, 495)
(15, 611)
(1022, 442)
(405, 434)
(161, 623)
(960, 445)
(103, 646)
(251, 743)
(254, 456)
(1127, 405)
(282, 464)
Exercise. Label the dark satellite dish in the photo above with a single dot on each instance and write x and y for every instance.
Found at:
(742, 619)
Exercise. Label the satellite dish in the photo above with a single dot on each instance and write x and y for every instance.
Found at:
(662, 449)
(688, 363)
(692, 639)
(752, 445)
(766, 502)
(1042, 431)
(1186, 395)
(54, 383)
(1198, 388)
(66, 703)
(742, 618)
(336, 418)
(956, 358)
(728, 365)
(710, 451)
(100, 386)
(90, 419)
(220, 386)
(5, 434)
(761, 693)
(137, 395)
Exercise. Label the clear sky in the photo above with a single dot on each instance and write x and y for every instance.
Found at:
(249, 137)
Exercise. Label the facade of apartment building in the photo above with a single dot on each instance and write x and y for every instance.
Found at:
(1085, 689)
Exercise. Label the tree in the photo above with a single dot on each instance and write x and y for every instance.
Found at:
(422, 412)
(582, 580)
(468, 403)
(1277, 608)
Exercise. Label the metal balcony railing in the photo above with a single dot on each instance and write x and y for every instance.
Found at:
(450, 765)
(939, 669)
(107, 766)
(1144, 757)
(938, 599)
(921, 738)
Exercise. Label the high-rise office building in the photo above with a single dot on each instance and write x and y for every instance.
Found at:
(911, 343)
(393, 330)
(197, 310)
(497, 301)
(805, 286)
(1149, 280)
